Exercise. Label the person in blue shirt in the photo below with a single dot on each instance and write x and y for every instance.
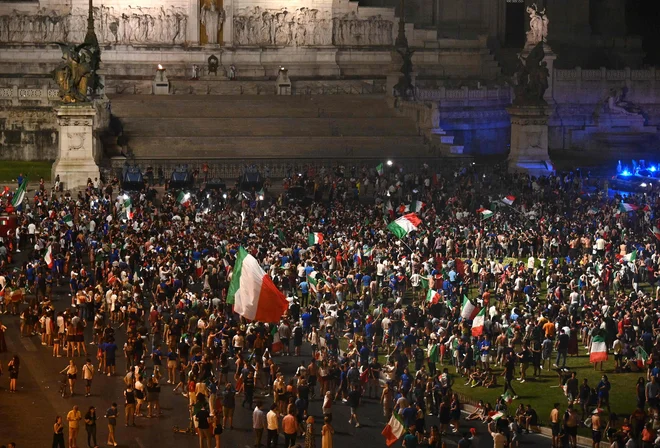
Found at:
(484, 350)
(406, 382)
(307, 321)
(366, 280)
(304, 289)
(409, 415)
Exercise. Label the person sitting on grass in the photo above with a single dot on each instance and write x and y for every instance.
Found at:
(490, 379)
(476, 378)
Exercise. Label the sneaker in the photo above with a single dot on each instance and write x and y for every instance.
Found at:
(519, 378)
(515, 397)
(555, 366)
(522, 381)
(357, 425)
(108, 374)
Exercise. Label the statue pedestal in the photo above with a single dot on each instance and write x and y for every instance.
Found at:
(529, 140)
(75, 161)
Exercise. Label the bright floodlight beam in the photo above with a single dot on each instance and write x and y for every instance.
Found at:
(389, 163)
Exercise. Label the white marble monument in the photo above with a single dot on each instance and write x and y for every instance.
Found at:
(76, 159)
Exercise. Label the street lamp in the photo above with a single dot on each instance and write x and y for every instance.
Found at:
(389, 163)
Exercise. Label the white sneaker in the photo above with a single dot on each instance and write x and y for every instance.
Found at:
(522, 381)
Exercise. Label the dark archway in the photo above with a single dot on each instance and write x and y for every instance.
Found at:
(514, 36)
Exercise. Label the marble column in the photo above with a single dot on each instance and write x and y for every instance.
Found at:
(193, 22)
(228, 26)
(75, 161)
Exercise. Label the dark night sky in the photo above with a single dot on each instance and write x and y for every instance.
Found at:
(642, 17)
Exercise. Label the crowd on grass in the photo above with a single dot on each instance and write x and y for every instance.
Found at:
(553, 263)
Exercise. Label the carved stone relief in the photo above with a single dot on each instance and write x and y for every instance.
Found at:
(308, 27)
(131, 25)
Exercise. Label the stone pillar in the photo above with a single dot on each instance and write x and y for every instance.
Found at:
(529, 140)
(192, 32)
(228, 25)
(75, 161)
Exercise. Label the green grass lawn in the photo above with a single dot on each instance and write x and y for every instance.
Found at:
(10, 169)
(542, 393)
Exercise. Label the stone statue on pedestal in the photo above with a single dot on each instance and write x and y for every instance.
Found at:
(212, 19)
(405, 88)
(531, 78)
(538, 25)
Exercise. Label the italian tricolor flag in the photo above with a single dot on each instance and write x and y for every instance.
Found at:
(313, 282)
(468, 310)
(598, 349)
(20, 194)
(485, 213)
(315, 238)
(253, 293)
(632, 256)
(379, 169)
(623, 207)
(478, 323)
(183, 199)
(417, 206)
(48, 258)
(368, 251)
(509, 200)
(656, 232)
(394, 429)
(128, 206)
(68, 220)
(433, 296)
(404, 225)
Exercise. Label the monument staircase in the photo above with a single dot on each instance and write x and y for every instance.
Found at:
(229, 131)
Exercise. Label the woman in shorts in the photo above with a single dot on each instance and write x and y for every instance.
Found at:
(71, 372)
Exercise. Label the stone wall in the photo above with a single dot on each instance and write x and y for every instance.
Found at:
(28, 133)
(581, 106)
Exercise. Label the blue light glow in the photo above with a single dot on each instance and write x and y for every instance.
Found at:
(626, 173)
(652, 168)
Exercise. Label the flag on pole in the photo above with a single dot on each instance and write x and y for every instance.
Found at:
(403, 209)
(478, 323)
(379, 169)
(253, 293)
(404, 225)
(434, 353)
(358, 258)
(656, 232)
(68, 220)
(315, 238)
(423, 282)
(20, 194)
(509, 200)
(485, 213)
(394, 429)
(183, 199)
(598, 351)
(468, 310)
(48, 258)
(277, 344)
(632, 256)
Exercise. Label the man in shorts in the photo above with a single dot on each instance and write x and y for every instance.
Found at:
(354, 402)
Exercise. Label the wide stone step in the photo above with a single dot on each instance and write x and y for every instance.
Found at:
(191, 148)
(302, 126)
(211, 106)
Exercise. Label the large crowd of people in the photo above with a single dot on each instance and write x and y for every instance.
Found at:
(553, 263)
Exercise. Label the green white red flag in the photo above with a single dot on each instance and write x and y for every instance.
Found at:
(394, 429)
(478, 323)
(315, 238)
(598, 351)
(253, 293)
(468, 310)
(404, 225)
